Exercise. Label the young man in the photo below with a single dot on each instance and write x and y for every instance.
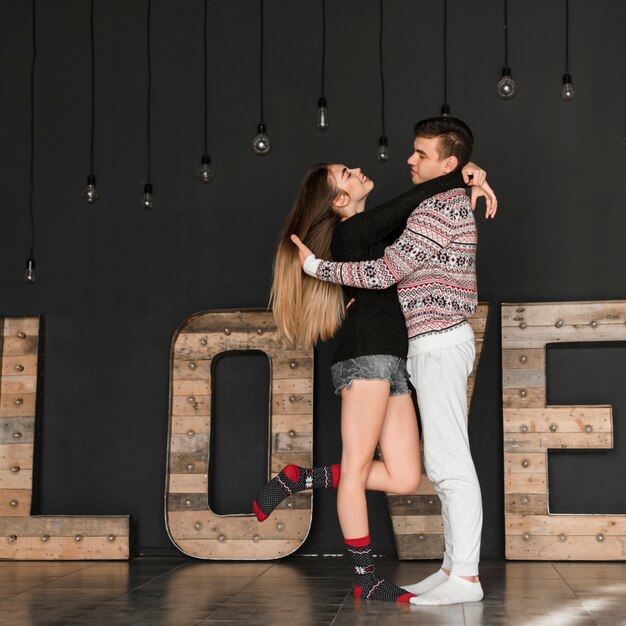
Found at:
(433, 263)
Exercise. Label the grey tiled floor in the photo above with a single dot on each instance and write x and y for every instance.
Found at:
(297, 591)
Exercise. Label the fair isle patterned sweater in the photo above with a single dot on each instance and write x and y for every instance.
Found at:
(433, 262)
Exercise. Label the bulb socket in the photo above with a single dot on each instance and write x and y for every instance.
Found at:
(383, 140)
(147, 188)
(567, 78)
(322, 102)
(91, 179)
(445, 110)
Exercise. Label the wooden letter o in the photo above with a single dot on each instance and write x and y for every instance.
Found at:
(192, 526)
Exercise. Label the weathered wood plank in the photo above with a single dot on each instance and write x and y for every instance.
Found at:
(188, 483)
(536, 442)
(16, 454)
(189, 443)
(526, 503)
(296, 442)
(18, 384)
(22, 479)
(19, 365)
(569, 525)
(233, 549)
(236, 321)
(526, 483)
(196, 462)
(17, 346)
(574, 548)
(65, 526)
(15, 502)
(539, 336)
(14, 325)
(301, 403)
(183, 387)
(570, 313)
(194, 369)
(524, 398)
(566, 419)
(414, 505)
(16, 430)
(197, 423)
(17, 404)
(521, 358)
(65, 548)
(524, 463)
(523, 378)
(206, 525)
(417, 524)
(292, 385)
(420, 546)
(286, 367)
(296, 423)
(191, 405)
(280, 459)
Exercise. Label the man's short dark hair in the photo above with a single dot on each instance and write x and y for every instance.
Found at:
(455, 137)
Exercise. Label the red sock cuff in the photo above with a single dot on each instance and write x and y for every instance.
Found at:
(361, 542)
(292, 472)
(336, 471)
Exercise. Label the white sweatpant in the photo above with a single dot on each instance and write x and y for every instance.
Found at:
(440, 379)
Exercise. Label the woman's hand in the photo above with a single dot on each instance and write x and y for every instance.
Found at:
(473, 175)
(303, 250)
(487, 193)
(476, 178)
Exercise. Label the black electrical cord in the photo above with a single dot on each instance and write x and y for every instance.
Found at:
(32, 132)
(382, 73)
(149, 98)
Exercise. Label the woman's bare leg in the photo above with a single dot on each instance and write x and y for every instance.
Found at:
(400, 469)
(363, 410)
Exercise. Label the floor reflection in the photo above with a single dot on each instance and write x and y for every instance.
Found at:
(297, 591)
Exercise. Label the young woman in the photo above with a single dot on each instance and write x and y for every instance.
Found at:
(368, 368)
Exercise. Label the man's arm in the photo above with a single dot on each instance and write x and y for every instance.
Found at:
(426, 235)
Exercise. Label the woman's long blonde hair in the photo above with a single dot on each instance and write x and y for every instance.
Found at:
(307, 309)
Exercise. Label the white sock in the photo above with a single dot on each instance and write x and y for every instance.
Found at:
(428, 584)
(454, 591)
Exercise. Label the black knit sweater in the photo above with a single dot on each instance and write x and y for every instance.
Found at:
(374, 323)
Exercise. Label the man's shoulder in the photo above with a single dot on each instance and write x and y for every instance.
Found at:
(453, 203)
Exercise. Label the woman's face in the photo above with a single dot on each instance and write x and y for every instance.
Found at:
(355, 186)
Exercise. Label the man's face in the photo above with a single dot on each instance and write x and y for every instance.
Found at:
(425, 162)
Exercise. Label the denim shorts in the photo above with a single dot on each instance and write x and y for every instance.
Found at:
(372, 367)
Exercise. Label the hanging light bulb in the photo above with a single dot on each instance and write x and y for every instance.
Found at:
(90, 193)
(205, 173)
(383, 151)
(261, 143)
(568, 89)
(29, 274)
(322, 115)
(147, 202)
(506, 87)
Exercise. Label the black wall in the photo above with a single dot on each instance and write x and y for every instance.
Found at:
(114, 281)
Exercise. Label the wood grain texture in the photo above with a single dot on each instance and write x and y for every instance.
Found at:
(192, 526)
(27, 537)
(531, 428)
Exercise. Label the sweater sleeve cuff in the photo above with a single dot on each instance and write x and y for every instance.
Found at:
(310, 265)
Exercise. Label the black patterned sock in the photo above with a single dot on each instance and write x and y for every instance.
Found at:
(368, 585)
(292, 479)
